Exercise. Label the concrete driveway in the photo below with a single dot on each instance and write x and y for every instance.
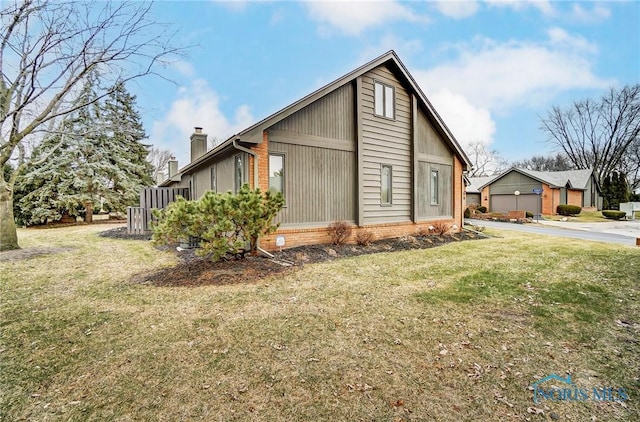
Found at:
(621, 232)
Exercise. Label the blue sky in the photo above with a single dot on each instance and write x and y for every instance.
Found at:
(491, 68)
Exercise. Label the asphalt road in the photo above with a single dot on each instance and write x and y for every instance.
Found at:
(562, 232)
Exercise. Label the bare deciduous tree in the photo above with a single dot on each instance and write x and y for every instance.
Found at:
(603, 135)
(158, 159)
(486, 162)
(47, 49)
(556, 162)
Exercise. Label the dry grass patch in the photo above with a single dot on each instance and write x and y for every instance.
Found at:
(458, 332)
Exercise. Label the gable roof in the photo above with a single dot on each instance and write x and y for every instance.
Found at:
(253, 134)
(477, 183)
(573, 179)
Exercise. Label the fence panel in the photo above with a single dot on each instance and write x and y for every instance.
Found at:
(136, 220)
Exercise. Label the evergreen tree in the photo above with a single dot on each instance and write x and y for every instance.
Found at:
(606, 192)
(94, 159)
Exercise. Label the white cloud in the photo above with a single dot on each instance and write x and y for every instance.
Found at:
(597, 13)
(498, 76)
(457, 9)
(489, 77)
(353, 17)
(196, 105)
(467, 122)
(543, 6)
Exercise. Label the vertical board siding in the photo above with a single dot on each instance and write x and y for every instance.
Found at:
(386, 141)
(319, 184)
(444, 208)
(514, 181)
(331, 116)
(428, 141)
(224, 174)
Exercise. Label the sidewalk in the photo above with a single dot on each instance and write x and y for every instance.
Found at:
(624, 228)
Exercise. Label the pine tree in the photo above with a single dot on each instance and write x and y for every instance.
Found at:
(95, 159)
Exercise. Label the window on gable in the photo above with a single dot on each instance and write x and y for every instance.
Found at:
(384, 101)
(434, 187)
(386, 179)
(276, 172)
(238, 172)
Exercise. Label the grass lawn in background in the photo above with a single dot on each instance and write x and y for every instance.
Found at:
(457, 332)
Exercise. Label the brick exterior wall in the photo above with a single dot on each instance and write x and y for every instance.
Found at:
(459, 200)
(574, 197)
(484, 197)
(312, 236)
(262, 150)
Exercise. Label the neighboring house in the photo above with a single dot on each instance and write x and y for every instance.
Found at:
(574, 187)
(473, 188)
(368, 148)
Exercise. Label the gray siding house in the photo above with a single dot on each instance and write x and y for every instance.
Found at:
(573, 187)
(368, 148)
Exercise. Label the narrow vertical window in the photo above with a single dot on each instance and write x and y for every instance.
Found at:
(385, 184)
(276, 172)
(389, 103)
(213, 178)
(434, 187)
(384, 100)
(239, 172)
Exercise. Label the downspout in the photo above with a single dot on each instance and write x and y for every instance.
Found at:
(255, 161)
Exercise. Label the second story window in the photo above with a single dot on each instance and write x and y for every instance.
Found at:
(384, 100)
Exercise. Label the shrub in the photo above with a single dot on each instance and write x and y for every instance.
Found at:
(529, 214)
(614, 215)
(481, 209)
(440, 228)
(339, 231)
(568, 209)
(423, 231)
(224, 223)
(467, 212)
(364, 237)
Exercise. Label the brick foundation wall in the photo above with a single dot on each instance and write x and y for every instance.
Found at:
(313, 236)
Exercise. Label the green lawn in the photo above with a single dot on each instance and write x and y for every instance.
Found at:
(458, 332)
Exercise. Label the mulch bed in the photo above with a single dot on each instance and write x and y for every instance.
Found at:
(193, 270)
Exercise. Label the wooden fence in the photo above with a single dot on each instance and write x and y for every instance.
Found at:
(138, 218)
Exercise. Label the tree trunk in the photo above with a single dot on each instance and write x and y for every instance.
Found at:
(8, 232)
(88, 207)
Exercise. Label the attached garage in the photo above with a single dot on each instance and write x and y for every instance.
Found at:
(505, 203)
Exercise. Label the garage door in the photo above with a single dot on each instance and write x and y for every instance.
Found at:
(473, 198)
(506, 203)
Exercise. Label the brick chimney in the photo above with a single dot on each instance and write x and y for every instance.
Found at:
(172, 165)
(198, 143)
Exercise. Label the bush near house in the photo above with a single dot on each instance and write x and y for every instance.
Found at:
(613, 214)
(481, 209)
(224, 223)
(339, 231)
(568, 210)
